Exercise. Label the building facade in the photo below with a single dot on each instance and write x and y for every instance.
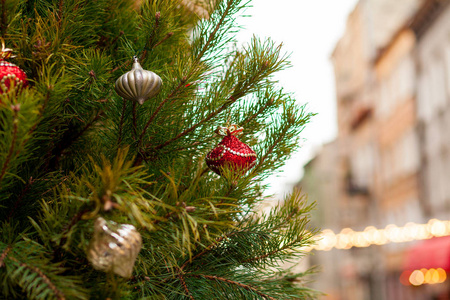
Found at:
(390, 162)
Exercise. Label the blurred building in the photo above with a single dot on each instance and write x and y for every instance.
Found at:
(390, 163)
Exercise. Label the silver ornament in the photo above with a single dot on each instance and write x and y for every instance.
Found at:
(114, 247)
(138, 84)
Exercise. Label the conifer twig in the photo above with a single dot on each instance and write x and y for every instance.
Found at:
(60, 13)
(59, 295)
(41, 114)
(124, 106)
(275, 251)
(19, 199)
(270, 150)
(183, 282)
(152, 35)
(4, 25)
(117, 37)
(79, 134)
(61, 182)
(75, 219)
(125, 64)
(168, 35)
(16, 109)
(207, 249)
(230, 101)
(152, 117)
(186, 78)
(253, 116)
(216, 29)
(245, 286)
(134, 119)
(4, 254)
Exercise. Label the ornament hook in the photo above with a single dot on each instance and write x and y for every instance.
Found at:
(5, 52)
(233, 129)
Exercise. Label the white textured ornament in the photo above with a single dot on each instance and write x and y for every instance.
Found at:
(138, 84)
(114, 248)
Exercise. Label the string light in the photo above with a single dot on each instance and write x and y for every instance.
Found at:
(423, 276)
(349, 238)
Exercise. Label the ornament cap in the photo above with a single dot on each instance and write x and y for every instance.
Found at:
(5, 52)
(233, 129)
(136, 64)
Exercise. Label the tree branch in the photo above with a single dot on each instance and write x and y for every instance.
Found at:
(270, 150)
(250, 118)
(4, 24)
(121, 121)
(216, 29)
(79, 134)
(230, 101)
(168, 35)
(286, 246)
(16, 109)
(59, 295)
(152, 117)
(19, 199)
(245, 286)
(186, 78)
(134, 119)
(152, 35)
(4, 254)
(207, 249)
(180, 275)
(125, 64)
(60, 13)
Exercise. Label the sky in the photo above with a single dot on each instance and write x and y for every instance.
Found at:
(309, 31)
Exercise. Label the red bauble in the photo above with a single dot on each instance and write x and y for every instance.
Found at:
(11, 75)
(231, 153)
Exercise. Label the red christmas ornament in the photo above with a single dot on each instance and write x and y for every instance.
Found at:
(10, 74)
(230, 152)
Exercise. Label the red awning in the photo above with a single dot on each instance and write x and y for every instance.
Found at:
(432, 253)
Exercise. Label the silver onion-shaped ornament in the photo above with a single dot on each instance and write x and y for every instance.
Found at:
(114, 247)
(138, 84)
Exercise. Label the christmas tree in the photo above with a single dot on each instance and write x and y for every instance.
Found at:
(122, 175)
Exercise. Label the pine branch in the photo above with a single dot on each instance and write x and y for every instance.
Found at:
(4, 254)
(244, 286)
(73, 139)
(152, 35)
(273, 252)
(59, 183)
(152, 117)
(134, 119)
(125, 64)
(256, 114)
(230, 101)
(211, 37)
(58, 294)
(19, 199)
(60, 12)
(280, 137)
(117, 38)
(4, 24)
(163, 40)
(183, 282)
(41, 113)
(209, 248)
(16, 109)
(75, 219)
(124, 106)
